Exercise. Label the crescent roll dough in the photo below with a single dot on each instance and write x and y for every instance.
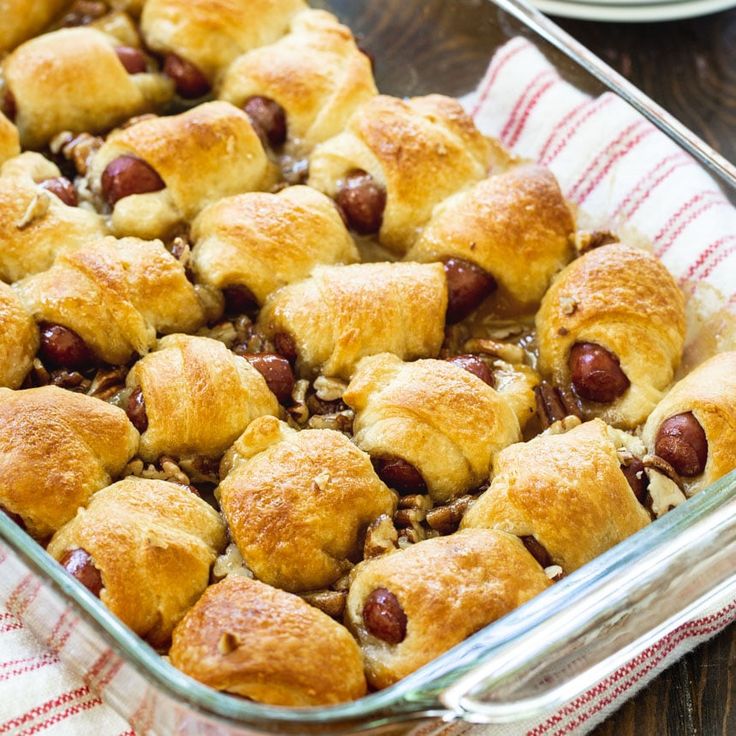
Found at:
(198, 396)
(263, 241)
(624, 300)
(57, 448)
(343, 313)
(420, 150)
(316, 73)
(448, 588)
(153, 543)
(298, 503)
(116, 295)
(72, 79)
(202, 155)
(22, 19)
(35, 225)
(211, 33)
(443, 420)
(9, 139)
(266, 645)
(709, 393)
(516, 226)
(18, 338)
(567, 491)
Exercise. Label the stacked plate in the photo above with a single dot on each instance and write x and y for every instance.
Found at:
(635, 11)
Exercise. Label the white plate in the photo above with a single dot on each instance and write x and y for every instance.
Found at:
(639, 13)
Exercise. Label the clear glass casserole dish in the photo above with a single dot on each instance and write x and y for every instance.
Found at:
(542, 655)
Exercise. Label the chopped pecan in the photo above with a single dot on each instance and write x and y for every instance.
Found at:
(550, 408)
(342, 421)
(570, 401)
(294, 170)
(167, 469)
(418, 501)
(230, 562)
(564, 425)
(406, 518)
(380, 537)
(662, 466)
(201, 469)
(446, 519)
(506, 351)
(344, 582)
(228, 643)
(329, 389)
(407, 537)
(71, 380)
(321, 406)
(181, 250)
(331, 602)
(299, 411)
(107, 382)
(37, 208)
(78, 149)
(584, 240)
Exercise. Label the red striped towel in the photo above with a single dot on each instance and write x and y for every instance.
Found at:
(623, 175)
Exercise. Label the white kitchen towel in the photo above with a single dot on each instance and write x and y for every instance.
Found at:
(623, 175)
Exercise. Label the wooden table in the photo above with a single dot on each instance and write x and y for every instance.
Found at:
(689, 67)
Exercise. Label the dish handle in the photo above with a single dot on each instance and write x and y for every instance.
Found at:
(609, 623)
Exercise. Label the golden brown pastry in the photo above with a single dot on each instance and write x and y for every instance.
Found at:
(409, 607)
(612, 325)
(161, 172)
(266, 645)
(22, 19)
(258, 242)
(57, 448)
(115, 295)
(566, 491)
(9, 139)
(18, 339)
(193, 397)
(39, 217)
(316, 74)
(77, 79)
(693, 427)
(145, 547)
(343, 313)
(201, 37)
(298, 503)
(396, 160)
(516, 226)
(443, 421)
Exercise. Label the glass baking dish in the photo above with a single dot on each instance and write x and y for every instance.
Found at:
(537, 658)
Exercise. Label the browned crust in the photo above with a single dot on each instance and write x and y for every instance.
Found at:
(199, 397)
(625, 300)
(709, 392)
(440, 418)
(516, 226)
(252, 640)
(153, 543)
(449, 588)
(57, 448)
(298, 503)
(567, 491)
(72, 79)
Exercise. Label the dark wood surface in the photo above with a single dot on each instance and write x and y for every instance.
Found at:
(689, 67)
